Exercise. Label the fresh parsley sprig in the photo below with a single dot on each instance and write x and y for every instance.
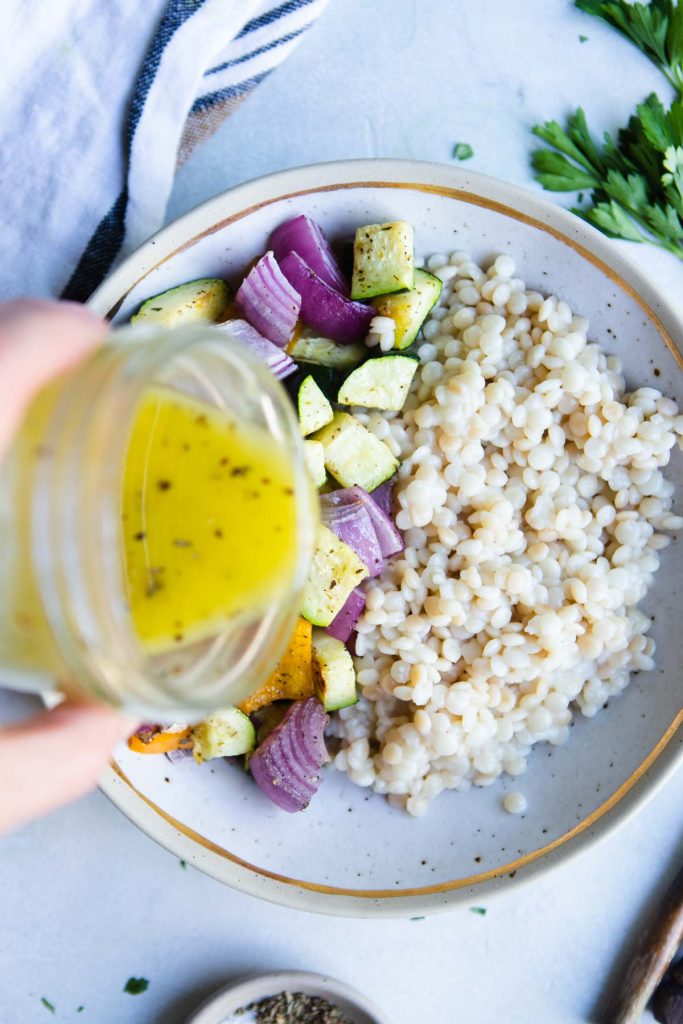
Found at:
(656, 28)
(636, 179)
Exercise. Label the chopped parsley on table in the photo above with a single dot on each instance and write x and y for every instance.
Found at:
(462, 151)
(48, 1005)
(136, 986)
(478, 910)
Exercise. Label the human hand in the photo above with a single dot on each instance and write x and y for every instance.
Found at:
(57, 755)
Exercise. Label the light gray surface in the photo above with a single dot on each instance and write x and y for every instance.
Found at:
(85, 900)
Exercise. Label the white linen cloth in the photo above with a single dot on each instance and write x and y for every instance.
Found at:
(99, 100)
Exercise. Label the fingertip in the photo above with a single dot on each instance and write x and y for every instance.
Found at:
(100, 724)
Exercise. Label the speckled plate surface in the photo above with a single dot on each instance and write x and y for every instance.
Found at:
(350, 853)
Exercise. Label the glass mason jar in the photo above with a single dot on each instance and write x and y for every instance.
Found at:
(65, 617)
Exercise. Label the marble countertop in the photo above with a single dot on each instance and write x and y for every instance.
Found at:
(86, 901)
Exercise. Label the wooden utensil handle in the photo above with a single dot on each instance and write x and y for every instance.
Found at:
(654, 953)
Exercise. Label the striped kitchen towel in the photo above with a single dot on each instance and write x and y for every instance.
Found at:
(100, 102)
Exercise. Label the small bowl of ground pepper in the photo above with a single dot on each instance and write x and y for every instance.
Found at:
(288, 997)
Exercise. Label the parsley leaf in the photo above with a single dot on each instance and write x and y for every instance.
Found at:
(673, 161)
(656, 28)
(574, 141)
(557, 174)
(636, 179)
(462, 151)
(653, 121)
(478, 910)
(48, 1005)
(136, 986)
(613, 221)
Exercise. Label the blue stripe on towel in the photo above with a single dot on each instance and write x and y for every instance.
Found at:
(267, 19)
(272, 45)
(99, 253)
(106, 240)
(229, 93)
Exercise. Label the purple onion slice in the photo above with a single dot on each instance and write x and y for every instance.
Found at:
(388, 537)
(276, 359)
(322, 307)
(268, 301)
(286, 765)
(306, 238)
(344, 622)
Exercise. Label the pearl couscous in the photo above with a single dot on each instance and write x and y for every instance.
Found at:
(534, 507)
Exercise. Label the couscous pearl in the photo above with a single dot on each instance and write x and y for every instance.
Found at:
(515, 803)
(541, 457)
(504, 266)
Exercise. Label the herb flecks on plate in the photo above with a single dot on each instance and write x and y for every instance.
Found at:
(636, 177)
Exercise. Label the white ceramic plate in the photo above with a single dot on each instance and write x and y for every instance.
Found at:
(350, 853)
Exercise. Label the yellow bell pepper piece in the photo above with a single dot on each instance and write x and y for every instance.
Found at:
(293, 678)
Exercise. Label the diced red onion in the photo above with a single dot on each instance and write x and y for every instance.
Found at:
(303, 236)
(344, 622)
(322, 307)
(276, 359)
(301, 783)
(286, 765)
(300, 751)
(272, 780)
(383, 496)
(303, 751)
(390, 540)
(311, 724)
(268, 301)
(352, 523)
(298, 760)
(388, 537)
